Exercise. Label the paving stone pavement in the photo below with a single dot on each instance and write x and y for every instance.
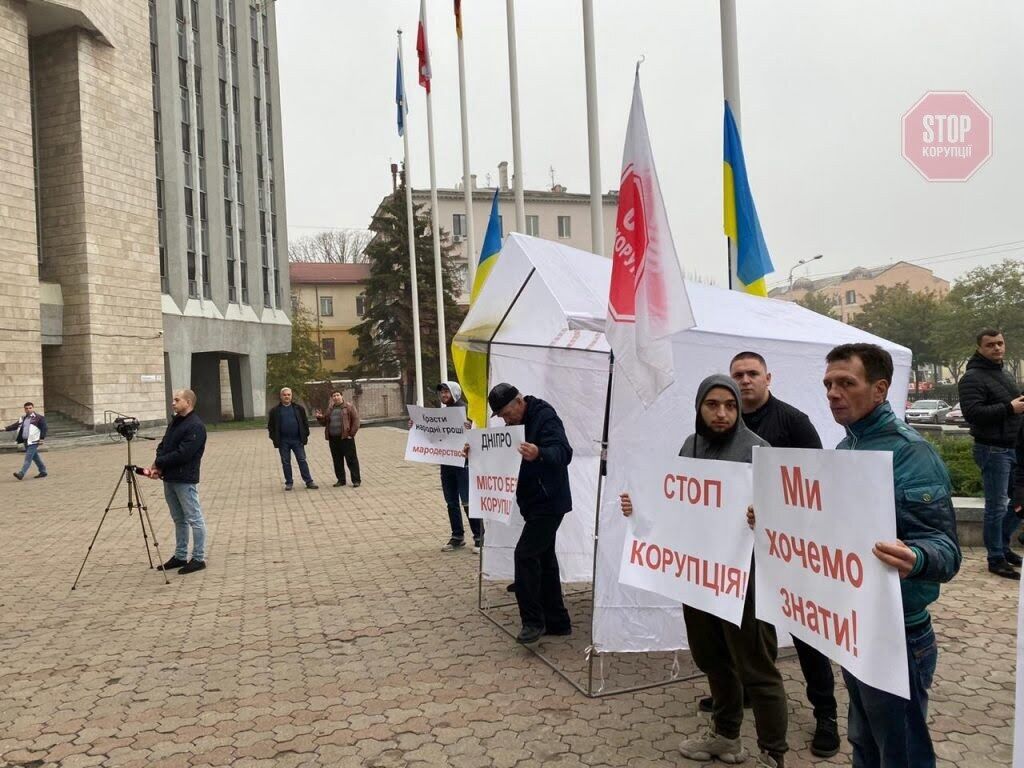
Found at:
(329, 630)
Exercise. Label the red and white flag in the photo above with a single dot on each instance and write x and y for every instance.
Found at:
(422, 52)
(647, 300)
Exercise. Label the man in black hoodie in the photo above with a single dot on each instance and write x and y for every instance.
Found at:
(544, 498)
(735, 659)
(992, 404)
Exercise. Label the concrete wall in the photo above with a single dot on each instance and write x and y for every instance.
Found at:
(21, 370)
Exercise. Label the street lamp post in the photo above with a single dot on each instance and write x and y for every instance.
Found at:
(800, 264)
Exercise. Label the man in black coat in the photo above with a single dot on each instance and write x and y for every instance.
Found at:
(288, 427)
(784, 426)
(544, 498)
(178, 457)
(992, 405)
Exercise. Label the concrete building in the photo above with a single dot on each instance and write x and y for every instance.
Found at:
(554, 214)
(121, 280)
(849, 292)
(334, 295)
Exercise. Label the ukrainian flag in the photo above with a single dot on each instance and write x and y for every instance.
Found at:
(471, 364)
(753, 262)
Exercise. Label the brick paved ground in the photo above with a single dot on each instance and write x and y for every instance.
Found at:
(329, 630)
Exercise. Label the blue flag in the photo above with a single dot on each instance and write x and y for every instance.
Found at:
(400, 96)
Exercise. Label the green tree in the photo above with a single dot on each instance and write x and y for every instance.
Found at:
(385, 337)
(906, 317)
(303, 364)
(819, 303)
(993, 297)
(951, 335)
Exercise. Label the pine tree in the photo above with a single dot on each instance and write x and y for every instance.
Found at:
(385, 337)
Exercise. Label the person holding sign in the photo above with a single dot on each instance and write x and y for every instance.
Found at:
(735, 659)
(885, 729)
(455, 482)
(784, 426)
(544, 498)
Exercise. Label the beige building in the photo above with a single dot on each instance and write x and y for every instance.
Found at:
(118, 119)
(553, 214)
(848, 293)
(334, 295)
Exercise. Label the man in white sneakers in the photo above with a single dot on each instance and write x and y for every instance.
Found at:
(31, 431)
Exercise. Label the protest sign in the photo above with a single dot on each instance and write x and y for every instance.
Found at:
(688, 537)
(437, 435)
(494, 461)
(819, 514)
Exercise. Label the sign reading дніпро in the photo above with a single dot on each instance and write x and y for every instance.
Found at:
(494, 461)
(819, 515)
(947, 136)
(437, 435)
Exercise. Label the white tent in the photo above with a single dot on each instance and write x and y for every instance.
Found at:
(540, 320)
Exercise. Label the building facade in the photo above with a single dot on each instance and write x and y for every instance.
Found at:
(553, 214)
(133, 262)
(334, 295)
(849, 292)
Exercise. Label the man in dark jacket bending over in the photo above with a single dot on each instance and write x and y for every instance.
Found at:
(544, 498)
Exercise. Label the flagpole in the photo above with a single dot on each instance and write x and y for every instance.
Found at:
(411, 229)
(434, 228)
(467, 176)
(731, 89)
(517, 153)
(593, 140)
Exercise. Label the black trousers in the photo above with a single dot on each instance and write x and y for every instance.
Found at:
(737, 658)
(343, 451)
(821, 680)
(538, 586)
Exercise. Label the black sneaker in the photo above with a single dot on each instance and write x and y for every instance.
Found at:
(339, 484)
(563, 632)
(529, 635)
(1004, 569)
(18, 475)
(44, 474)
(826, 737)
(453, 544)
(287, 486)
(312, 486)
(1014, 559)
(172, 564)
(357, 483)
(192, 566)
(511, 588)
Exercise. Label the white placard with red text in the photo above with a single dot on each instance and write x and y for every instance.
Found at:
(819, 514)
(688, 537)
(1018, 719)
(437, 435)
(494, 461)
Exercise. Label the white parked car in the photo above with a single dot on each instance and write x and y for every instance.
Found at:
(928, 412)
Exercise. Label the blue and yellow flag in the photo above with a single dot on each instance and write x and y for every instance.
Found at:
(400, 95)
(489, 252)
(753, 262)
(471, 364)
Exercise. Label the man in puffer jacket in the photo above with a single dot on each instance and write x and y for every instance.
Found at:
(992, 405)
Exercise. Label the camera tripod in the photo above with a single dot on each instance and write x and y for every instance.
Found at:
(130, 478)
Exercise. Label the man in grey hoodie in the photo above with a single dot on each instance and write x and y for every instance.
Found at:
(733, 658)
(455, 482)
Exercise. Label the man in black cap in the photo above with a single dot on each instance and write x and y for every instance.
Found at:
(544, 498)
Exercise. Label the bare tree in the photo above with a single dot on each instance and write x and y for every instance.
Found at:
(337, 246)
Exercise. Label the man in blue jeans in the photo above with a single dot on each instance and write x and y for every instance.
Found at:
(992, 405)
(289, 431)
(31, 431)
(885, 730)
(177, 463)
(455, 482)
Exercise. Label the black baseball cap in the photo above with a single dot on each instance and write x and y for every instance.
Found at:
(500, 396)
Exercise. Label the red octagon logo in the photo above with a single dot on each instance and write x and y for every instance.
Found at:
(947, 136)
(630, 250)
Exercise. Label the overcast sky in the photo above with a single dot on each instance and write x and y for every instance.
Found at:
(823, 88)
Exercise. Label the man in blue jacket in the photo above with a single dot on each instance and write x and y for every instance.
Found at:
(177, 463)
(884, 729)
(544, 498)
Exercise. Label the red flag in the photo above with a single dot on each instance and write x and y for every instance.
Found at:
(422, 52)
(647, 301)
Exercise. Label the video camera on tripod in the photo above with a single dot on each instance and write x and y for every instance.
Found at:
(126, 426)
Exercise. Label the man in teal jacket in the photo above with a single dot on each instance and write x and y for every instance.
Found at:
(886, 730)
